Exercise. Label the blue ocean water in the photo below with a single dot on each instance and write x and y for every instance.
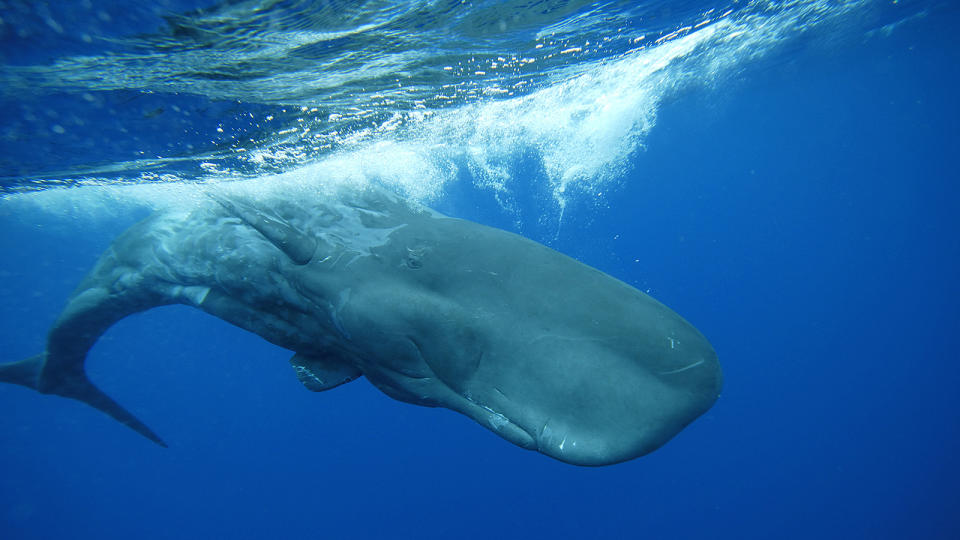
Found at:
(782, 174)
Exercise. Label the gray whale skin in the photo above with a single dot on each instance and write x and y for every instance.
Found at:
(544, 351)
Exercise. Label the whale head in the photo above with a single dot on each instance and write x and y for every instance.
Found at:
(544, 351)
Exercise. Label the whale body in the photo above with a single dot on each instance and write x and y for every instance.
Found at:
(548, 353)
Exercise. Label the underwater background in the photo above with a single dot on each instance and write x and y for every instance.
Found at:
(782, 174)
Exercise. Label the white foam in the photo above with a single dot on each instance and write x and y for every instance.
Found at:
(583, 129)
(586, 128)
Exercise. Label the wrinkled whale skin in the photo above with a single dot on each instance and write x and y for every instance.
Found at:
(548, 353)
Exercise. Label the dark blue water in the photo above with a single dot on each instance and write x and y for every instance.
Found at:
(800, 207)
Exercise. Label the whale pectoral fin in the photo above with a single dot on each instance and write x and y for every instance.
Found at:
(323, 373)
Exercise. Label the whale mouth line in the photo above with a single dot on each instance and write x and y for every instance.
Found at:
(684, 368)
(496, 421)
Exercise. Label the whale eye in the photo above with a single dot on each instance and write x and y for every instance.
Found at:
(415, 254)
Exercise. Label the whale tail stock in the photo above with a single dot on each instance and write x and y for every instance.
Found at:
(96, 305)
(124, 281)
(35, 373)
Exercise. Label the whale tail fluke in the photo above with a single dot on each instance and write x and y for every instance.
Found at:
(73, 384)
(25, 372)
